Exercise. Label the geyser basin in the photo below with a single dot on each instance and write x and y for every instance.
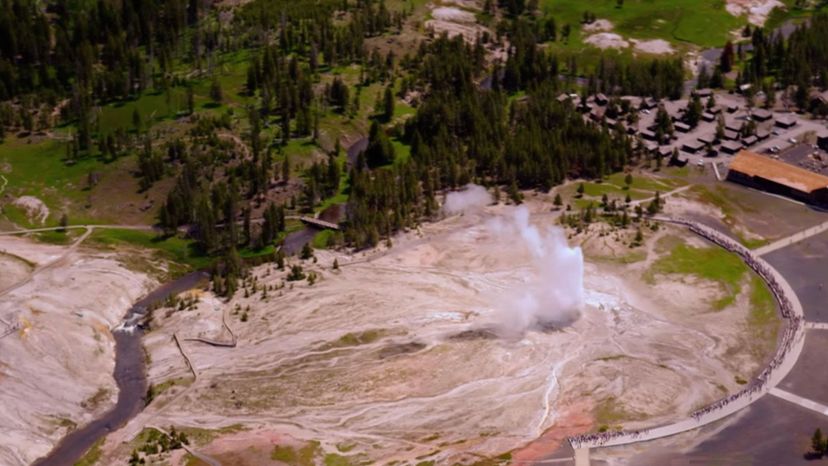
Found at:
(392, 355)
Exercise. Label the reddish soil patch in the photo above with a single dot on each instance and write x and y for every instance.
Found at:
(574, 419)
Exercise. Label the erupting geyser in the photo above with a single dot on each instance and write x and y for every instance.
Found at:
(552, 290)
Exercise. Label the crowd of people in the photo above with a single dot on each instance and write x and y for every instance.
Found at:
(793, 332)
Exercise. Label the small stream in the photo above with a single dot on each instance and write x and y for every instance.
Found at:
(130, 375)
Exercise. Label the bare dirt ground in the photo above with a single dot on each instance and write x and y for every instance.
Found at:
(396, 356)
(653, 47)
(14, 269)
(607, 40)
(35, 209)
(598, 26)
(56, 368)
(757, 10)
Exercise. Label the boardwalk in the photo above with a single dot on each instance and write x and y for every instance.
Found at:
(780, 366)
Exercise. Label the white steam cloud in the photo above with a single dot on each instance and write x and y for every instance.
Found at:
(552, 292)
(469, 198)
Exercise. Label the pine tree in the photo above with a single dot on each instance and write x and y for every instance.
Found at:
(817, 442)
(388, 104)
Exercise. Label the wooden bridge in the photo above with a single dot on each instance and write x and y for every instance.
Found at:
(319, 223)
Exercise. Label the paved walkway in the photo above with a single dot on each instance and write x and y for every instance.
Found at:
(662, 195)
(716, 170)
(794, 238)
(804, 402)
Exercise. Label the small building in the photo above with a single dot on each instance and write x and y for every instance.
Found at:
(648, 135)
(707, 138)
(651, 147)
(778, 177)
(786, 122)
(648, 103)
(731, 147)
(703, 93)
(682, 127)
(762, 115)
(822, 141)
(707, 116)
(749, 141)
(563, 97)
(734, 125)
(731, 135)
(665, 151)
(818, 98)
(610, 122)
(601, 99)
(732, 108)
(692, 146)
(715, 110)
(762, 134)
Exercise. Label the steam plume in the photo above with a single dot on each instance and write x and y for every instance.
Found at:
(552, 291)
(469, 198)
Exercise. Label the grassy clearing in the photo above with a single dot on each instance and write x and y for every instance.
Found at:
(763, 320)
(174, 249)
(609, 413)
(322, 239)
(713, 264)
(39, 169)
(705, 23)
(305, 456)
(356, 339)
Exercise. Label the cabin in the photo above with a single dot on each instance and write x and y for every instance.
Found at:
(648, 135)
(734, 125)
(703, 93)
(822, 141)
(707, 138)
(786, 122)
(692, 146)
(731, 147)
(731, 135)
(761, 115)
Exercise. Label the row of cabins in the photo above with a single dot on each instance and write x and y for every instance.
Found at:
(733, 141)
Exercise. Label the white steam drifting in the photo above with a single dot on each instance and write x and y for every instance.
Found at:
(552, 292)
(471, 197)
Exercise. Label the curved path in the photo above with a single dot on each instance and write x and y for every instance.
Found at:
(79, 227)
(786, 356)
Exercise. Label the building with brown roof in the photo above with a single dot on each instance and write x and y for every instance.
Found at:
(731, 147)
(757, 171)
